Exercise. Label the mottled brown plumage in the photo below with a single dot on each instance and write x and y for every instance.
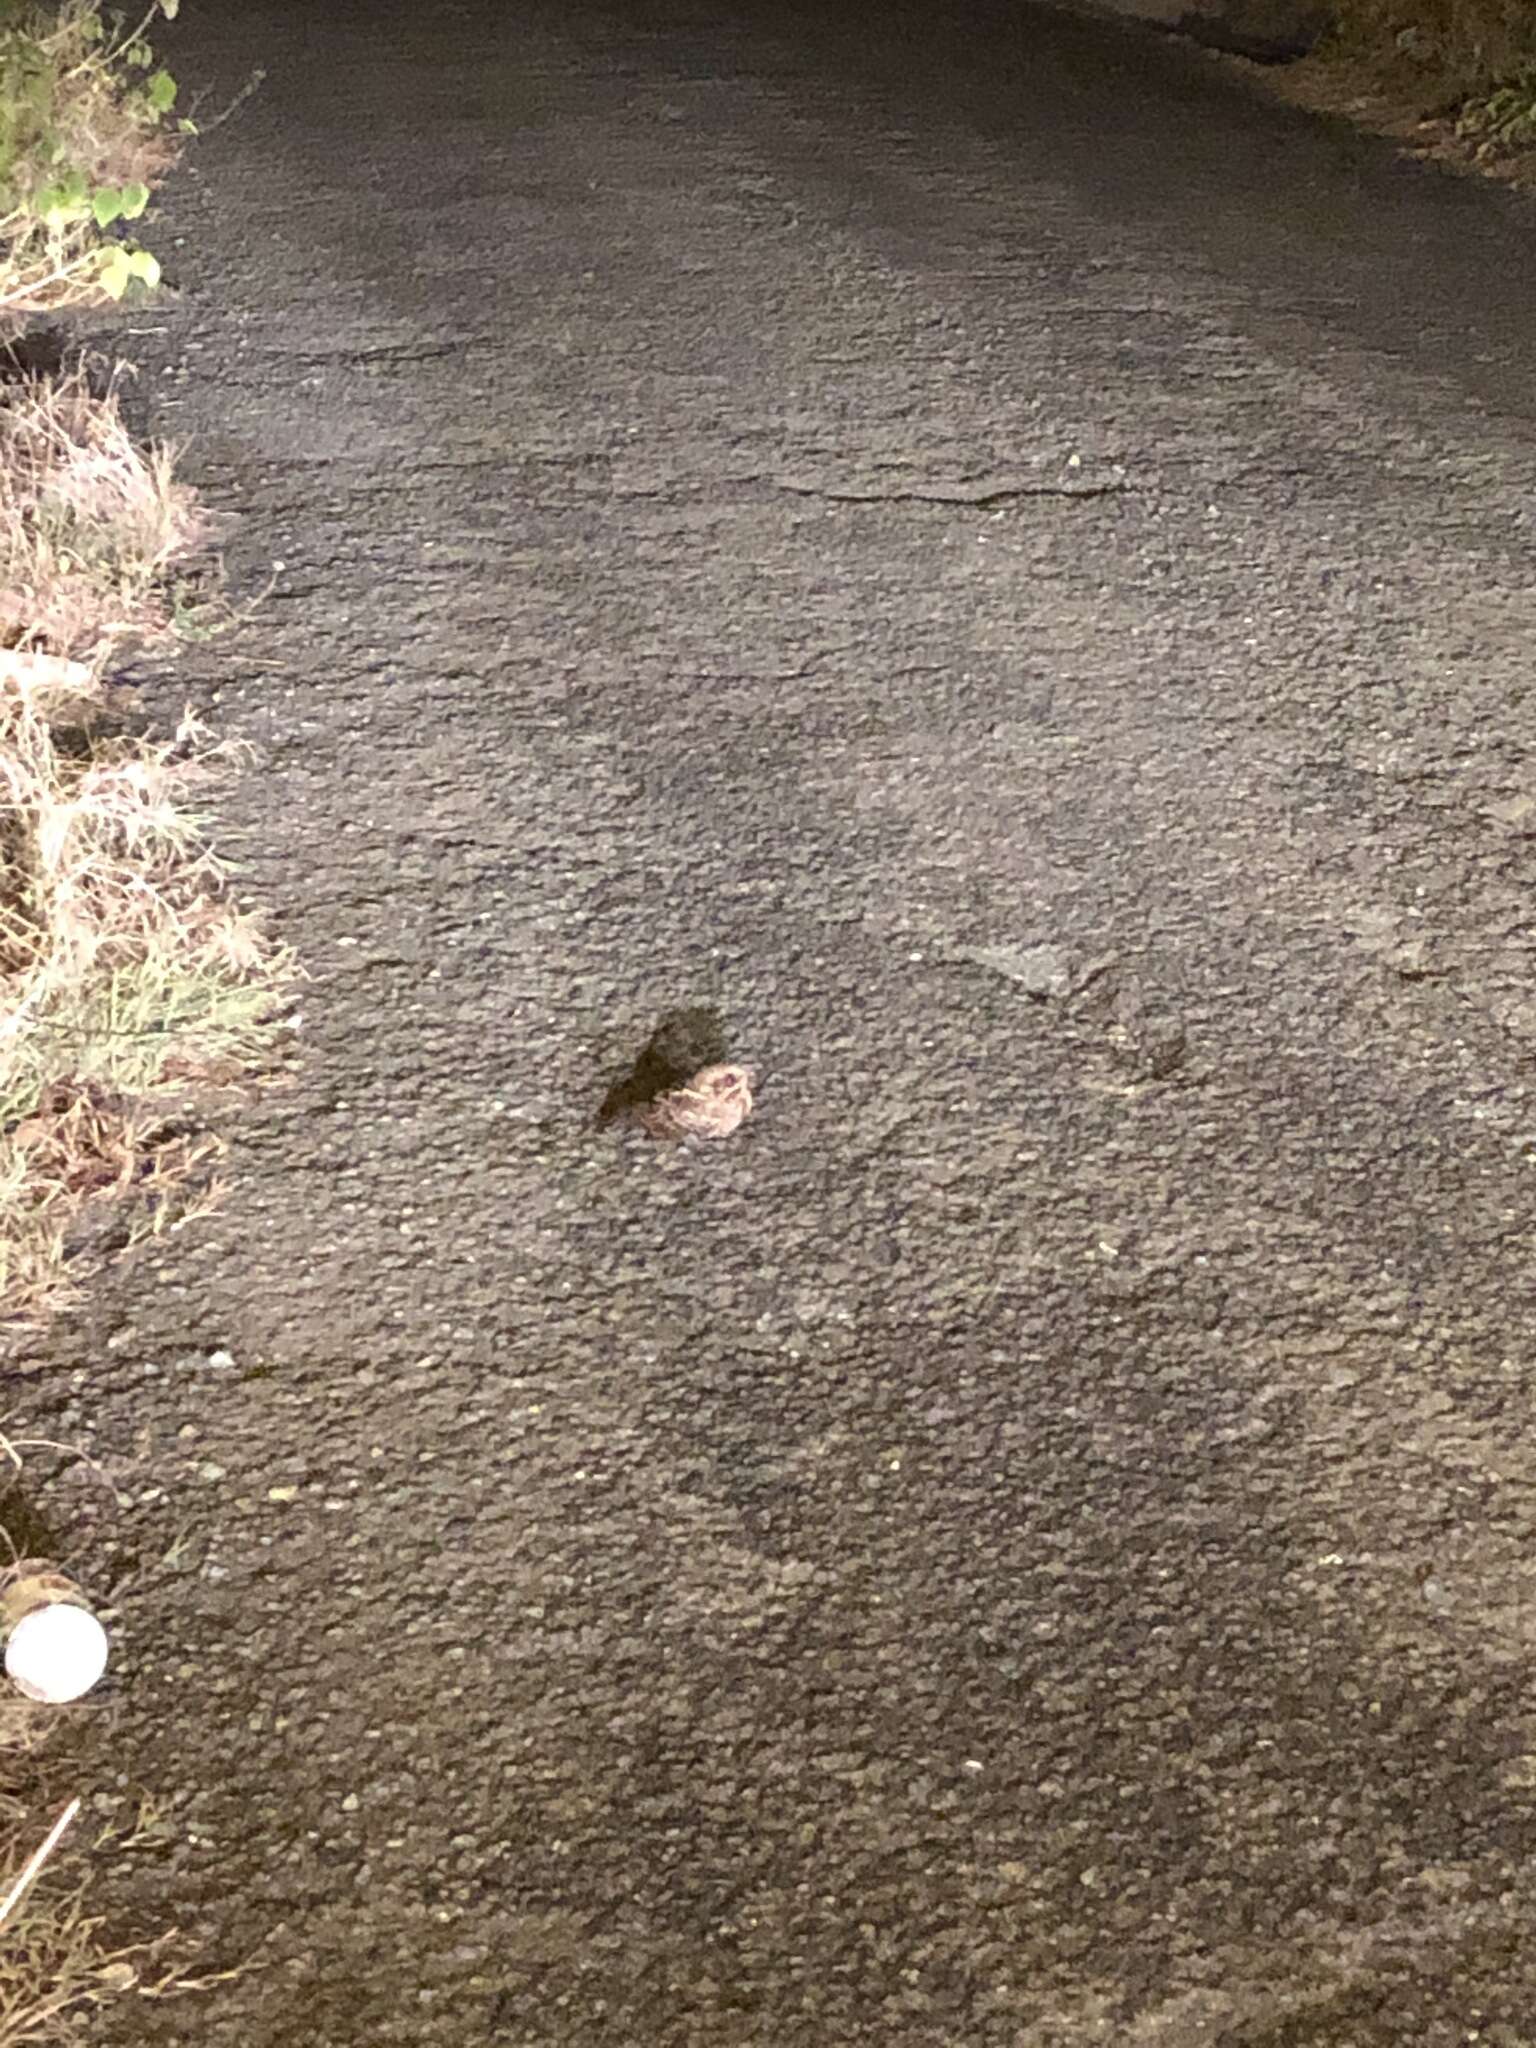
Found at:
(717, 1101)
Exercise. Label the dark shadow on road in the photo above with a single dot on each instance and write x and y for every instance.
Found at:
(1400, 258)
(684, 1041)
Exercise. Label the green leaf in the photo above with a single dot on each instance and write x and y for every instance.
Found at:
(145, 267)
(135, 198)
(185, 127)
(115, 271)
(162, 92)
(59, 206)
(107, 205)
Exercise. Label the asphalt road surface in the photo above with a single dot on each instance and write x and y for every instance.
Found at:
(993, 566)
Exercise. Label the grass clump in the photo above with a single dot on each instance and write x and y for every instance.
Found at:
(55, 1967)
(1501, 122)
(128, 975)
(90, 524)
(52, 1968)
(1462, 69)
(85, 135)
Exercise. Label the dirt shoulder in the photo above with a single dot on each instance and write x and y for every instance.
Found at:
(1395, 100)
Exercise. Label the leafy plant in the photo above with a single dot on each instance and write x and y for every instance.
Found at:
(85, 133)
(1504, 119)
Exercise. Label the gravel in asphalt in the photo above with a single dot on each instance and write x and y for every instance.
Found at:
(966, 547)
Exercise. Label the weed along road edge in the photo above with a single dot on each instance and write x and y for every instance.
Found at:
(135, 985)
(978, 571)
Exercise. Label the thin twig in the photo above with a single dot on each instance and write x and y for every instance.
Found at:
(27, 292)
(34, 1863)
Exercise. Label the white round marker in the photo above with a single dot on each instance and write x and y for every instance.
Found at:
(56, 1652)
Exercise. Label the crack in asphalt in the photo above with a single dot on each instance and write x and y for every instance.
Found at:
(981, 496)
(962, 496)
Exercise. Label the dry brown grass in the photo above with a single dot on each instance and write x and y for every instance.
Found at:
(54, 1964)
(82, 1155)
(128, 974)
(90, 523)
(50, 1961)
(53, 1970)
(56, 1961)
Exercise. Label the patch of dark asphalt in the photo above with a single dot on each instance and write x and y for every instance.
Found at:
(1028, 1543)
